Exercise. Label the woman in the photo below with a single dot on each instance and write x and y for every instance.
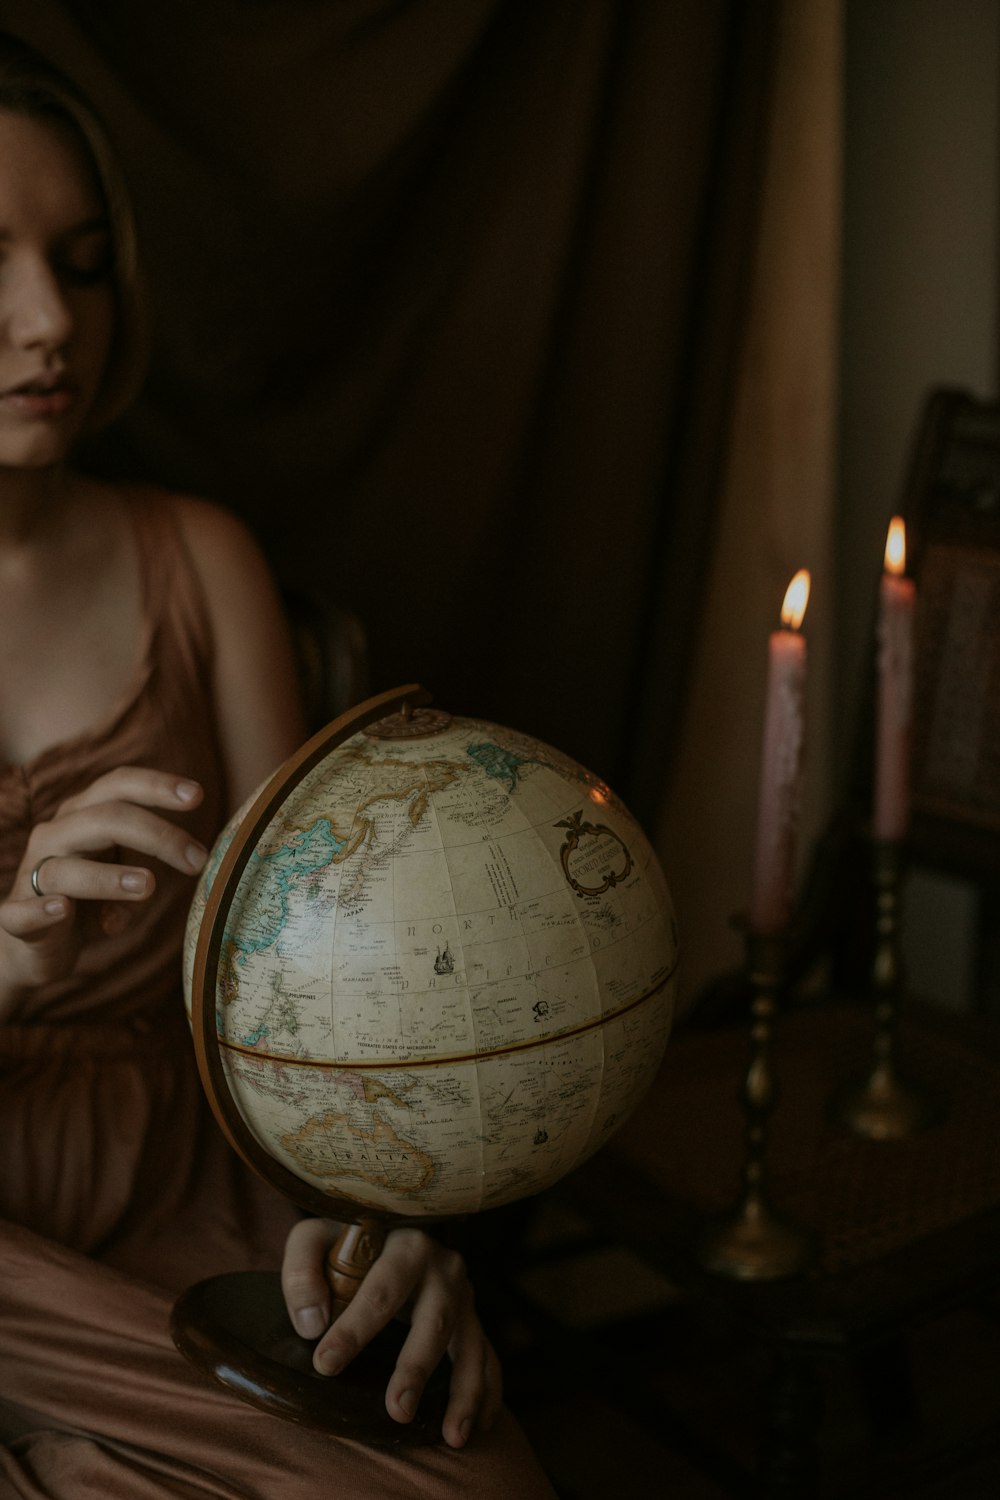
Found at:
(146, 687)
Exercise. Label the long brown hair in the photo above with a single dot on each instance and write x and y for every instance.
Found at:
(30, 85)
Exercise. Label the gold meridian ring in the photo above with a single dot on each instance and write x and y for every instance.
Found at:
(37, 871)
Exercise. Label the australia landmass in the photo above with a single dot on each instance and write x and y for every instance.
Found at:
(333, 1146)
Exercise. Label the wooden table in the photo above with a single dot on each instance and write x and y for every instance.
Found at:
(905, 1230)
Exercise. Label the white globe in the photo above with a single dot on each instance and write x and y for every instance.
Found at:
(448, 971)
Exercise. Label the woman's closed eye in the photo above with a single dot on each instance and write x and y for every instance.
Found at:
(84, 258)
(77, 275)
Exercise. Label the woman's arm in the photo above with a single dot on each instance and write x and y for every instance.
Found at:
(257, 694)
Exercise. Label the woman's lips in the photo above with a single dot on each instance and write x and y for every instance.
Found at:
(39, 400)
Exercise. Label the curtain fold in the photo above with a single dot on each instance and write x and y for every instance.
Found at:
(430, 282)
(474, 309)
(778, 511)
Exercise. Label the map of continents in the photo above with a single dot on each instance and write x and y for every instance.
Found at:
(447, 974)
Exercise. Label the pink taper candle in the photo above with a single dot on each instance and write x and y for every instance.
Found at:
(897, 596)
(781, 767)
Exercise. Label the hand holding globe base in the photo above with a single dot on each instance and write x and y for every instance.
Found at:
(236, 1327)
(430, 969)
(754, 1244)
(883, 1106)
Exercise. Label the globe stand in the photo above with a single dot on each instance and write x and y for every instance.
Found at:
(235, 1327)
(575, 857)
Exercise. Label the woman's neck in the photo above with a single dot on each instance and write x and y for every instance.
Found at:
(31, 504)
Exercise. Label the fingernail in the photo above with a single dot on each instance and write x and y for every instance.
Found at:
(195, 856)
(464, 1430)
(309, 1322)
(187, 791)
(56, 907)
(329, 1363)
(408, 1401)
(134, 880)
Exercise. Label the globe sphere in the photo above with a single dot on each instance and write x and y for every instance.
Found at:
(447, 974)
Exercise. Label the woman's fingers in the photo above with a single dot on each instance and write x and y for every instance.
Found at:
(86, 879)
(383, 1293)
(76, 856)
(492, 1389)
(476, 1389)
(66, 852)
(31, 919)
(303, 1280)
(432, 1325)
(443, 1321)
(411, 1269)
(140, 785)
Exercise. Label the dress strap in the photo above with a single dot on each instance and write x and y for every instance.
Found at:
(171, 586)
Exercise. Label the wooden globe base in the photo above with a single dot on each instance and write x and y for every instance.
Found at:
(235, 1328)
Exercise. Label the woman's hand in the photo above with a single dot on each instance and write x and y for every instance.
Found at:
(75, 856)
(412, 1269)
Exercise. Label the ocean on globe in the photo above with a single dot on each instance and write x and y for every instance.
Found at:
(448, 971)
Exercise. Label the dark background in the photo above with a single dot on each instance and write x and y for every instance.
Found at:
(447, 299)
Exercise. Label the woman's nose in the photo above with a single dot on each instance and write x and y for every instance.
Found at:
(38, 313)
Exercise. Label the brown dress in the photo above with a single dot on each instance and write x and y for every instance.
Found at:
(116, 1190)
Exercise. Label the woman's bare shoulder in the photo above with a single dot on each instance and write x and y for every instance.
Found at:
(209, 528)
(256, 678)
(212, 533)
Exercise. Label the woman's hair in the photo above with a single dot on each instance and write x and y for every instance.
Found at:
(30, 85)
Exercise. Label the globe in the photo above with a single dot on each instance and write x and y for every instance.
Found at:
(447, 970)
(430, 968)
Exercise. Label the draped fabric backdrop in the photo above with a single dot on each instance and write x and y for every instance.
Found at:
(778, 511)
(450, 304)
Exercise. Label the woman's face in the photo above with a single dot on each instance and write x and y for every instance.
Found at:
(57, 297)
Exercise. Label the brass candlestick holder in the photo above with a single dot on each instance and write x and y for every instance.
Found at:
(883, 1106)
(753, 1243)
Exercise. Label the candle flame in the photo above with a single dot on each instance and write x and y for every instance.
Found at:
(796, 598)
(895, 547)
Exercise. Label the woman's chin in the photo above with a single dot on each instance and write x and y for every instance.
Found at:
(41, 448)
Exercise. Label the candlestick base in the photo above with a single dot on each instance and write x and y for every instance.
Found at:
(885, 1108)
(755, 1245)
(752, 1243)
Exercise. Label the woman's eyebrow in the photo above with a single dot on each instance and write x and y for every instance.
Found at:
(98, 224)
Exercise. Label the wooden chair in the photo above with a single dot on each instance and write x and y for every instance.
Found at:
(331, 649)
(952, 505)
(950, 501)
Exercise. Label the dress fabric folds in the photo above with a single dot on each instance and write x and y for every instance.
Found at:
(116, 1187)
